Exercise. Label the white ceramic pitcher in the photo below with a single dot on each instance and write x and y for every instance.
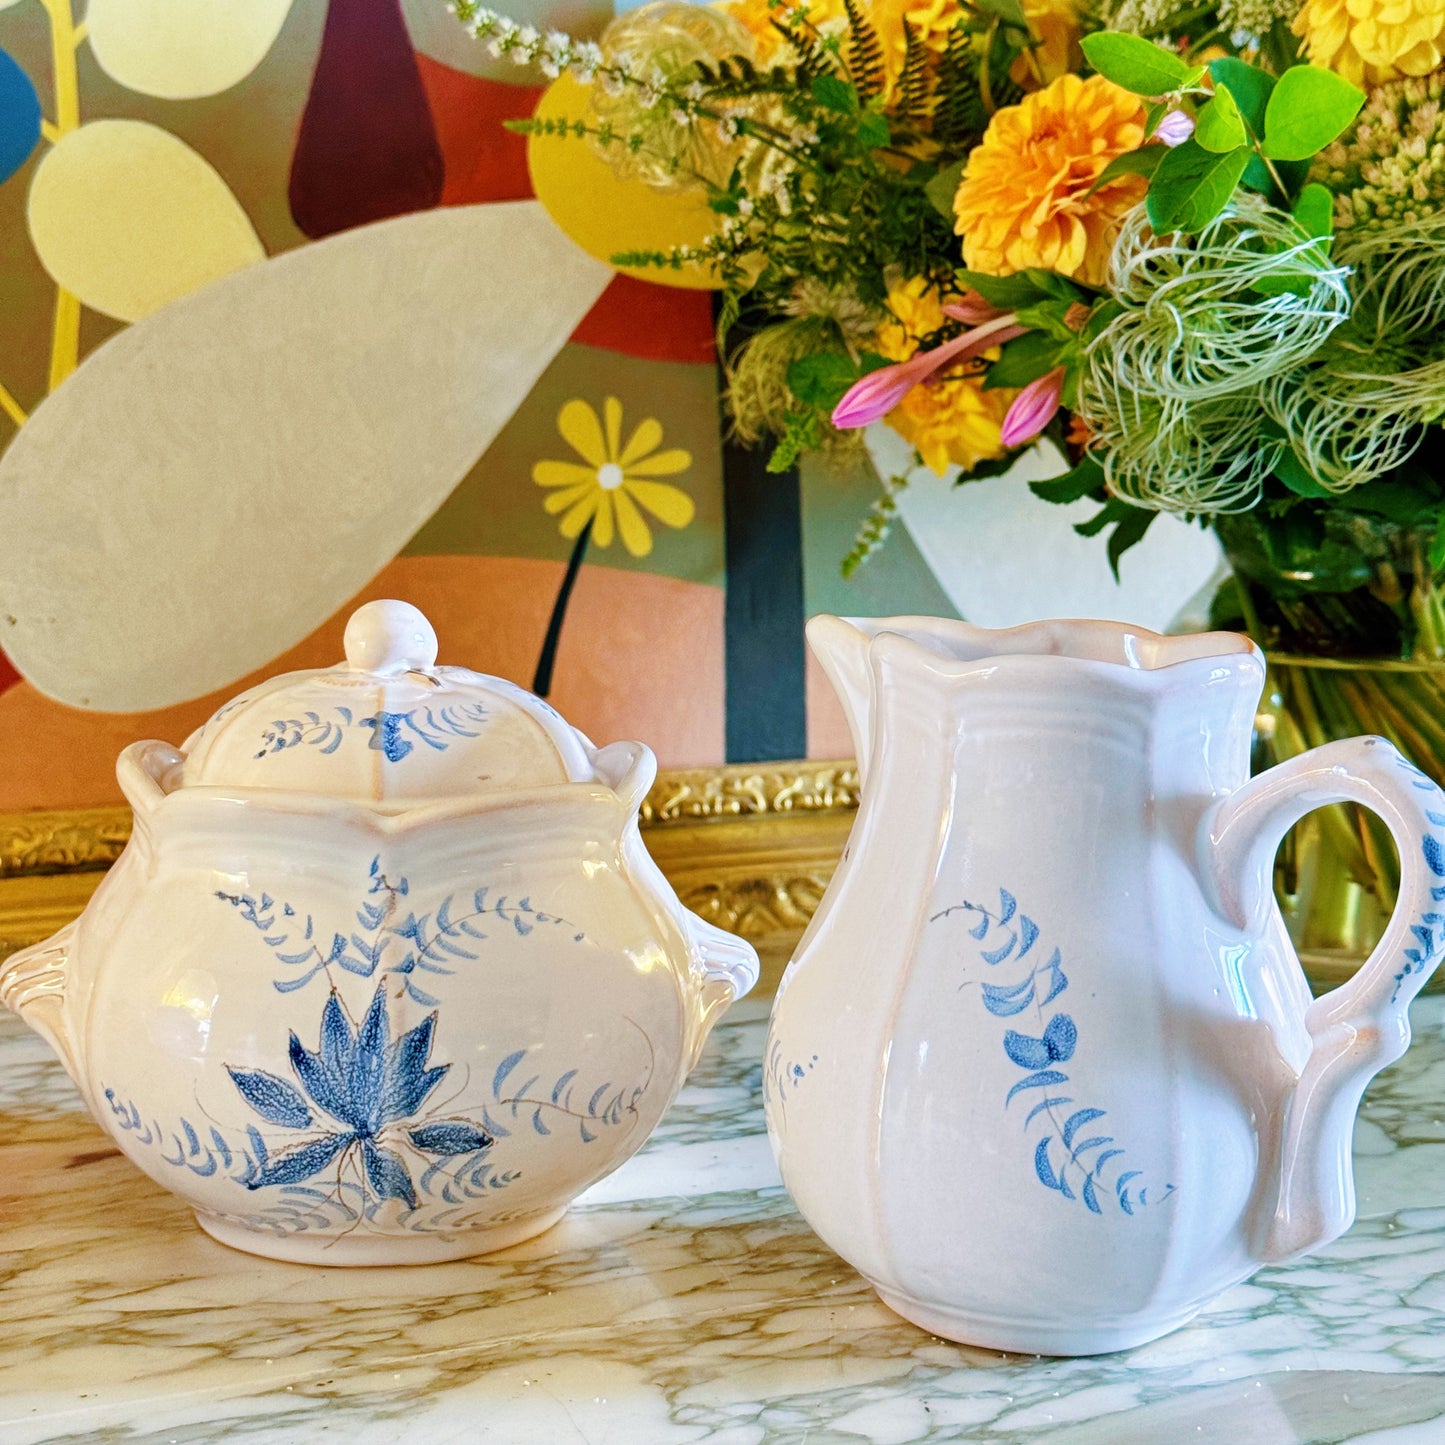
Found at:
(1045, 1067)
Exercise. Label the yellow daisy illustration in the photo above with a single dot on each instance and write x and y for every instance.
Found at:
(606, 493)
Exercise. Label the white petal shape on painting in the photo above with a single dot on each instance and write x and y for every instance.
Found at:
(128, 217)
(181, 49)
(216, 481)
(1004, 556)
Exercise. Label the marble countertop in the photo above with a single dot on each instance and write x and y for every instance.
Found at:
(681, 1300)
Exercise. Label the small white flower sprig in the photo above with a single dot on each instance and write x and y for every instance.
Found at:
(687, 107)
(551, 53)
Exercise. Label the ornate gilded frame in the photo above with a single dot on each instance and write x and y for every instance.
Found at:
(749, 847)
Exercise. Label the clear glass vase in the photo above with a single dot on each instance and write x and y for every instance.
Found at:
(1351, 621)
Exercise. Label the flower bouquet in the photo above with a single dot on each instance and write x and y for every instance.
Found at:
(1198, 247)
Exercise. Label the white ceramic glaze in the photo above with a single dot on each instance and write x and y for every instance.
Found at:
(385, 974)
(1045, 1068)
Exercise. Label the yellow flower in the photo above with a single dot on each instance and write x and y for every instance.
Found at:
(1055, 24)
(760, 18)
(1372, 41)
(952, 419)
(1025, 199)
(613, 484)
(915, 310)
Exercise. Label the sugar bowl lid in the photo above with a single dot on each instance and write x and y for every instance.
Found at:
(387, 726)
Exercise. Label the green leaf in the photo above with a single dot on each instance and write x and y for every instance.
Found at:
(1192, 186)
(1248, 84)
(1024, 359)
(944, 187)
(834, 93)
(1052, 284)
(1142, 162)
(1048, 317)
(873, 130)
(1309, 107)
(1128, 533)
(1298, 477)
(1437, 547)
(1314, 212)
(820, 380)
(1219, 127)
(1074, 486)
(1008, 293)
(1137, 64)
(1009, 11)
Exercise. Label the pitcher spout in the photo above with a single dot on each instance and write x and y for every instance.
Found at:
(841, 646)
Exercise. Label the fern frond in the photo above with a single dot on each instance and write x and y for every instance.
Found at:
(913, 83)
(959, 116)
(865, 53)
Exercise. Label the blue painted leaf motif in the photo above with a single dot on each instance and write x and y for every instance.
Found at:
(276, 1101)
(1043, 1107)
(449, 1138)
(1059, 980)
(408, 1081)
(1042, 1080)
(387, 1174)
(505, 1068)
(327, 1087)
(1004, 1002)
(1091, 1199)
(1076, 1121)
(1060, 1038)
(1434, 855)
(297, 1164)
(1043, 1167)
(1027, 1053)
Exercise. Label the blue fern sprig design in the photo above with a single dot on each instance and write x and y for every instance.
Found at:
(384, 941)
(1071, 1165)
(393, 734)
(782, 1076)
(606, 1106)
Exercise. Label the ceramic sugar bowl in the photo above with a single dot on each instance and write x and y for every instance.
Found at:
(385, 974)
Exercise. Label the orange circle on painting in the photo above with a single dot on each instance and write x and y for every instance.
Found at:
(605, 214)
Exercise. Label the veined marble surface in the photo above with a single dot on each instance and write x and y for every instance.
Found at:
(681, 1300)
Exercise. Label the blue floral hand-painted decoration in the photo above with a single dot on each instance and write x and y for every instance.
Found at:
(357, 1098)
(1429, 929)
(385, 938)
(1077, 1171)
(393, 734)
(362, 1127)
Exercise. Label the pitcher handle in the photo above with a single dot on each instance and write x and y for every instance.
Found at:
(1364, 1024)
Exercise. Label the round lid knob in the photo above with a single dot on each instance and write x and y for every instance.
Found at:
(388, 637)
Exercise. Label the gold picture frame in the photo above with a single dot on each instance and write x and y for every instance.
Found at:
(750, 847)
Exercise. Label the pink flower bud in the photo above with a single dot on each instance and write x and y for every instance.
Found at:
(1033, 409)
(972, 309)
(872, 397)
(1175, 128)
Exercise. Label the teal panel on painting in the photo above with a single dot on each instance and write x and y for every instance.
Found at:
(895, 581)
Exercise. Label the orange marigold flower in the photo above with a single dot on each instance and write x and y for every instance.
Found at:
(1025, 197)
(1372, 41)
